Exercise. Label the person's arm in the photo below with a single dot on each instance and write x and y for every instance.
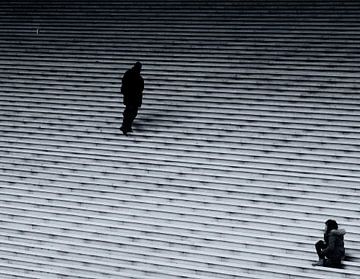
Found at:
(330, 246)
(141, 89)
(125, 82)
(142, 85)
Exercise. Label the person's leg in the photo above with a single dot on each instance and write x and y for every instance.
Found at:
(129, 115)
(125, 123)
(133, 111)
(319, 246)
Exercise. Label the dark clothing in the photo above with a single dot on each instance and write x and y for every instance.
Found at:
(129, 116)
(332, 250)
(132, 87)
(319, 246)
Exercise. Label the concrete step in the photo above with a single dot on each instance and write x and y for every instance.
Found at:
(246, 143)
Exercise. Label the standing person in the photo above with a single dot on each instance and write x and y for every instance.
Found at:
(331, 250)
(132, 87)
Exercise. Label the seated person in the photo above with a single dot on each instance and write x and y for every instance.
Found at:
(331, 250)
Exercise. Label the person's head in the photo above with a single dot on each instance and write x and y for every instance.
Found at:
(330, 225)
(137, 67)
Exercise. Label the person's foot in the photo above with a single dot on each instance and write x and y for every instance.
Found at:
(124, 131)
(319, 263)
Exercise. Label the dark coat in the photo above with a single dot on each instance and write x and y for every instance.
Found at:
(335, 249)
(132, 87)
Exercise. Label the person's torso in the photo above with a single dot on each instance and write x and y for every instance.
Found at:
(133, 82)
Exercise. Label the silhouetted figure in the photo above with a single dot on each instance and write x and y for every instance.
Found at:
(331, 250)
(132, 87)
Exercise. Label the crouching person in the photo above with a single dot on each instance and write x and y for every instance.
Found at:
(331, 250)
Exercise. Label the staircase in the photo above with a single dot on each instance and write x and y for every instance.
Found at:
(247, 142)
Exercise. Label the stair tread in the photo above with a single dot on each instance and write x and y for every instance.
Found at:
(247, 140)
